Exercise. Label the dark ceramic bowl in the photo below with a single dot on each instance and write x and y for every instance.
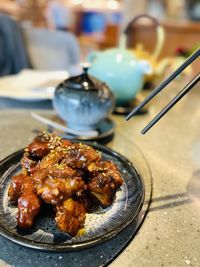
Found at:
(83, 102)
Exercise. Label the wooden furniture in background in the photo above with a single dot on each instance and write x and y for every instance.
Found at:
(178, 34)
(90, 43)
(111, 37)
(184, 34)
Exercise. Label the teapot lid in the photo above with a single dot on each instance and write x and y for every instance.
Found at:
(84, 82)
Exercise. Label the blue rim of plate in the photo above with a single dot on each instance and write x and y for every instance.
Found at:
(134, 192)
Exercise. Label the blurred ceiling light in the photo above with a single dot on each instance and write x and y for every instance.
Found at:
(96, 4)
(76, 2)
(100, 4)
(113, 4)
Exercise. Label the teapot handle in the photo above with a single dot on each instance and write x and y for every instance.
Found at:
(159, 29)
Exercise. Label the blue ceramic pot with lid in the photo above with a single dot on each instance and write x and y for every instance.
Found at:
(83, 101)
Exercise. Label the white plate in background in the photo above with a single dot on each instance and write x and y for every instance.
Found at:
(31, 85)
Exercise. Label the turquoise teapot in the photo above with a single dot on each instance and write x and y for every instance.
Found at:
(121, 71)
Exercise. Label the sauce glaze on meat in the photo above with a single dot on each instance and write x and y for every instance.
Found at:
(72, 177)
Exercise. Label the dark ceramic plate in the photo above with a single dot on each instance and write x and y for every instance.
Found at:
(99, 226)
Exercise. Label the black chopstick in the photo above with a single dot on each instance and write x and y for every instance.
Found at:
(188, 61)
(184, 91)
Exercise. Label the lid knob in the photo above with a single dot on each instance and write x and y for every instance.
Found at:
(85, 67)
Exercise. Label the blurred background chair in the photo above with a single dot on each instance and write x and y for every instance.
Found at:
(51, 50)
(13, 56)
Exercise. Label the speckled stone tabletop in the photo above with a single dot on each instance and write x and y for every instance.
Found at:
(170, 234)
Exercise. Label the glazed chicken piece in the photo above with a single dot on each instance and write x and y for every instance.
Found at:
(70, 216)
(28, 209)
(56, 182)
(108, 168)
(36, 151)
(80, 156)
(15, 188)
(54, 157)
(28, 204)
(55, 171)
(39, 148)
(28, 163)
(76, 156)
(22, 190)
(56, 190)
(103, 188)
(90, 203)
(44, 142)
(106, 179)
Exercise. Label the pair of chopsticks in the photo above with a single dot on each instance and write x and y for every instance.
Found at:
(184, 91)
